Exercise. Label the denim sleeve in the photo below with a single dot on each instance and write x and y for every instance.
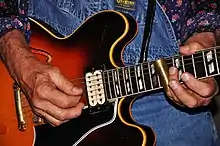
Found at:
(12, 16)
(203, 16)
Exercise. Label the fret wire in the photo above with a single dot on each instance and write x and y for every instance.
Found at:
(190, 63)
(142, 71)
(210, 61)
(152, 89)
(129, 80)
(203, 55)
(186, 64)
(136, 79)
(113, 77)
(194, 68)
(109, 84)
(183, 65)
(119, 83)
(178, 66)
(216, 60)
(173, 61)
(103, 76)
(131, 85)
(149, 70)
(140, 92)
(158, 79)
(203, 59)
(123, 74)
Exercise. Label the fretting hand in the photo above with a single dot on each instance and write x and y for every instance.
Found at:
(193, 92)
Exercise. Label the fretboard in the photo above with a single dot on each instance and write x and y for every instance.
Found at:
(109, 85)
(140, 78)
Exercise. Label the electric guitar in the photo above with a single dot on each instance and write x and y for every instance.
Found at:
(92, 58)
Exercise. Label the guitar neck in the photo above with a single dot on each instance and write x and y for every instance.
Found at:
(140, 78)
(109, 85)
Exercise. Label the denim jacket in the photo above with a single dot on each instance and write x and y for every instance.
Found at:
(69, 15)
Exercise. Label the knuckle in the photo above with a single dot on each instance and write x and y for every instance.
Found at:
(207, 92)
(54, 73)
(67, 102)
(77, 114)
(192, 103)
(36, 103)
(68, 85)
(61, 115)
(196, 46)
(205, 102)
(41, 91)
(39, 78)
(64, 103)
(57, 123)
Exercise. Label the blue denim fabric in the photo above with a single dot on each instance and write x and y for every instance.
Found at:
(172, 126)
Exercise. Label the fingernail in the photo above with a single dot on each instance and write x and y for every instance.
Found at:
(185, 77)
(172, 70)
(77, 89)
(173, 84)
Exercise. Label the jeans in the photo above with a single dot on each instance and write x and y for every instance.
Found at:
(173, 126)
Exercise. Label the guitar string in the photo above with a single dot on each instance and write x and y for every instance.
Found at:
(41, 52)
(120, 80)
(179, 56)
(29, 112)
(147, 68)
(81, 83)
(49, 57)
(27, 106)
(132, 72)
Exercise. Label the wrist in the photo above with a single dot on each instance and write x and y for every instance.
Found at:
(15, 53)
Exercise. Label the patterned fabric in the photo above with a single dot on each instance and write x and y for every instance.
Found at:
(12, 16)
(187, 16)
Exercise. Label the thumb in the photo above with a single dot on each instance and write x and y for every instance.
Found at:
(64, 84)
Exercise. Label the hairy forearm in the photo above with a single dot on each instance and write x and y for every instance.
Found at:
(15, 53)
